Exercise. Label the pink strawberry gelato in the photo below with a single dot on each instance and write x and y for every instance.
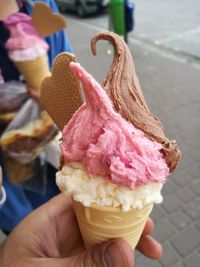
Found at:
(25, 43)
(108, 145)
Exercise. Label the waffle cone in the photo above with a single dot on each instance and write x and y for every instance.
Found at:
(98, 224)
(34, 71)
(60, 93)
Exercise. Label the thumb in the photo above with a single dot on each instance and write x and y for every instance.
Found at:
(114, 253)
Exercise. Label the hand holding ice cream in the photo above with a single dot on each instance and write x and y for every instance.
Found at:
(65, 247)
(115, 156)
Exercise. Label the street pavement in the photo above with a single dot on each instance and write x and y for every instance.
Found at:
(171, 24)
(170, 82)
(174, 25)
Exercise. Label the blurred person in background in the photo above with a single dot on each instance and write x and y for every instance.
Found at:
(20, 201)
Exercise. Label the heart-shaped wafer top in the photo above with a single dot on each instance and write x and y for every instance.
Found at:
(60, 93)
(45, 21)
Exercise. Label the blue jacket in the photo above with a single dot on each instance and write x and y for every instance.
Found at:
(21, 202)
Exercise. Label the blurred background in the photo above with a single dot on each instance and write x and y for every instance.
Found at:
(164, 39)
(165, 45)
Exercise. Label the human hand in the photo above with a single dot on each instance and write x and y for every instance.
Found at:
(35, 94)
(147, 245)
(50, 236)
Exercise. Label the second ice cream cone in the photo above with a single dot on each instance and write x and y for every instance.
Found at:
(99, 224)
(34, 71)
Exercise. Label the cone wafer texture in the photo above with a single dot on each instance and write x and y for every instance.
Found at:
(99, 224)
(60, 93)
(34, 71)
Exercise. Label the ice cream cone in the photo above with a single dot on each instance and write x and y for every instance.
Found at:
(98, 224)
(34, 71)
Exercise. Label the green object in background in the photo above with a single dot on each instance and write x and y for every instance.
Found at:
(117, 16)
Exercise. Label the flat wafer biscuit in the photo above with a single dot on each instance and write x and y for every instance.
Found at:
(60, 93)
(45, 21)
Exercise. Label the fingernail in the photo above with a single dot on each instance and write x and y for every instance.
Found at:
(119, 254)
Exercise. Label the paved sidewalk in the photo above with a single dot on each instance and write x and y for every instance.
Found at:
(171, 24)
(174, 25)
(171, 87)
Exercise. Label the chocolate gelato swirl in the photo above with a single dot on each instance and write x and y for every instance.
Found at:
(123, 88)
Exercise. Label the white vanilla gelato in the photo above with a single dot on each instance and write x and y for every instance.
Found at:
(74, 180)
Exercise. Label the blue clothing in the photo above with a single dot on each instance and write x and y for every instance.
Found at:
(21, 202)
